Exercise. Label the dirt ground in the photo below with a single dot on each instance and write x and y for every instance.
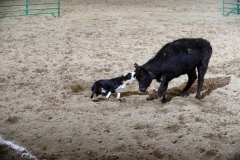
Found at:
(47, 67)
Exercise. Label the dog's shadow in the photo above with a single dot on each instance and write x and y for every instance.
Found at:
(209, 85)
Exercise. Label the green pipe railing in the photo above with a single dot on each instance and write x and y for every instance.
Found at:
(27, 8)
(230, 8)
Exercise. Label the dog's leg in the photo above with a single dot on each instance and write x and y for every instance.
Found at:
(118, 95)
(108, 95)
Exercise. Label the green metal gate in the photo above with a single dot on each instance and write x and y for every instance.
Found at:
(230, 7)
(11, 8)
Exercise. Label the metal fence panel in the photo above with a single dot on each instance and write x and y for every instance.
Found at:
(11, 8)
(230, 7)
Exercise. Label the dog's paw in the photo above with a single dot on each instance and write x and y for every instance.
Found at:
(96, 99)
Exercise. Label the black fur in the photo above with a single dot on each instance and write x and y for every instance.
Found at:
(104, 86)
(179, 57)
(110, 85)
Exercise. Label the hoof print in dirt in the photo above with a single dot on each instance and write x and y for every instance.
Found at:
(149, 98)
(152, 96)
(122, 99)
(76, 87)
(97, 99)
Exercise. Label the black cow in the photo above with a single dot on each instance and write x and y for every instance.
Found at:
(179, 57)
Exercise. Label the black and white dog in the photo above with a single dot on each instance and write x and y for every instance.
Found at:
(106, 87)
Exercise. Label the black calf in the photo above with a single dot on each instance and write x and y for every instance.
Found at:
(179, 57)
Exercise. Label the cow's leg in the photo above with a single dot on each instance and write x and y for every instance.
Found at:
(192, 76)
(162, 91)
(202, 69)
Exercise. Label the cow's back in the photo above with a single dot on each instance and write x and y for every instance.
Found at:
(181, 56)
(183, 46)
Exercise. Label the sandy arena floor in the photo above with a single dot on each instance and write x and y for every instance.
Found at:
(49, 64)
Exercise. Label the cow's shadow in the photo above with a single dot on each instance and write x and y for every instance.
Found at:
(209, 85)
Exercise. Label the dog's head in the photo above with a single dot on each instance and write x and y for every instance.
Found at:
(130, 77)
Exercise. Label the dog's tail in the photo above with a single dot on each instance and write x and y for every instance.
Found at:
(96, 89)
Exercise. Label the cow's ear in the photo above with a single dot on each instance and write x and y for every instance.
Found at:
(136, 65)
(152, 75)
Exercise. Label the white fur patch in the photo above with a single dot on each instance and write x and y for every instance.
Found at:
(120, 88)
(103, 90)
(132, 78)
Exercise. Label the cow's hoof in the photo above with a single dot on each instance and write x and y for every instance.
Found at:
(163, 101)
(182, 94)
(197, 98)
(160, 99)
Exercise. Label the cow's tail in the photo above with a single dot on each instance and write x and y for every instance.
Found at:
(207, 49)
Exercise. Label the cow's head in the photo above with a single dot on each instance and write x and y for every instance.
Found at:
(143, 77)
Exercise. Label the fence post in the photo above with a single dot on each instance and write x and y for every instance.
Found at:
(26, 7)
(223, 8)
(238, 6)
(59, 4)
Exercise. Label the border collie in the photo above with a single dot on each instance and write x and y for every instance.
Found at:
(106, 87)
